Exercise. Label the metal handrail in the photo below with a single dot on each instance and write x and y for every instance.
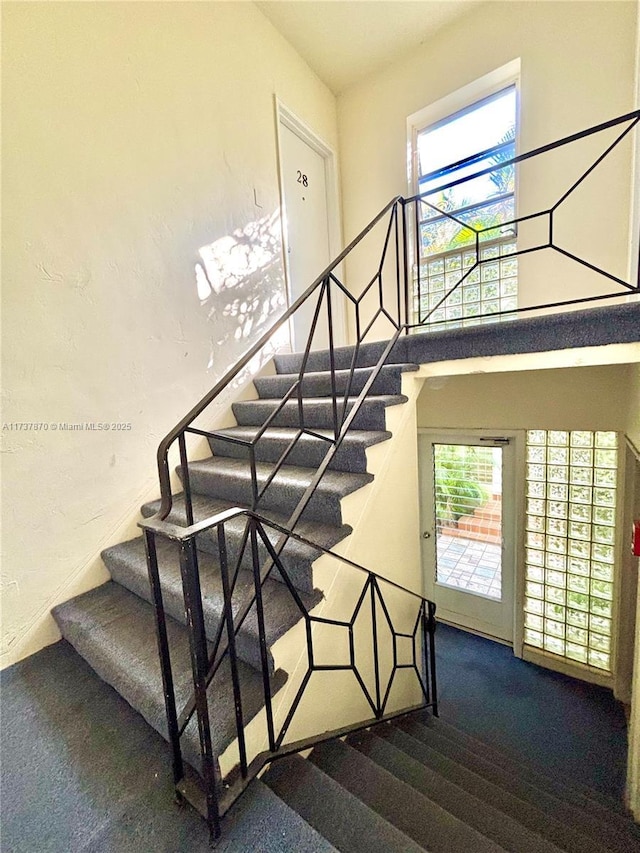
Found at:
(230, 375)
(214, 800)
(344, 411)
(633, 117)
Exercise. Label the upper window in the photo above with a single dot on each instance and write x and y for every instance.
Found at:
(465, 270)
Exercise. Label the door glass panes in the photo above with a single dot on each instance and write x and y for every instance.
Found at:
(468, 518)
(570, 534)
(465, 240)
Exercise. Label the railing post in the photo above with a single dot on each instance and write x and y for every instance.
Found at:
(432, 655)
(184, 463)
(200, 666)
(165, 656)
(405, 261)
(264, 654)
(231, 638)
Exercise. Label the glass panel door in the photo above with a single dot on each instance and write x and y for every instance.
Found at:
(467, 485)
(468, 517)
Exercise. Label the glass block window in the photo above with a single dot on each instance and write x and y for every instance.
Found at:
(465, 231)
(491, 287)
(571, 482)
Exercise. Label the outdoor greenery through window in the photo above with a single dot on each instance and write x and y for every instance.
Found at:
(465, 270)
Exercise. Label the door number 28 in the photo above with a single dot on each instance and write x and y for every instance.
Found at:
(302, 179)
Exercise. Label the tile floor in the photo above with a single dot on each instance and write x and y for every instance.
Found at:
(470, 565)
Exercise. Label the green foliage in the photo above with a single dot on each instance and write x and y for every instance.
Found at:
(504, 180)
(457, 489)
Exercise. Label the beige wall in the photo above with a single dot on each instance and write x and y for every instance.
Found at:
(567, 398)
(133, 135)
(577, 69)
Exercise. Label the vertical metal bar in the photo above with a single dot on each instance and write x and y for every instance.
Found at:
(185, 479)
(200, 666)
(254, 476)
(397, 239)
(405, 262)
(332, 361)
(638, 276)
(551, 227)
(432, 656)
(425, 652)
(233, 658)
(165, 656)
(374, 626)
(264, 655)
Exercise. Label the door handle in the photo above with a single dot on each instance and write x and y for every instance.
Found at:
(426, 535)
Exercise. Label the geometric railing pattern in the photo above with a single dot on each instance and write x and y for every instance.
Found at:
(387, 644)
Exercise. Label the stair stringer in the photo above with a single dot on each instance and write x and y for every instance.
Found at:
(385, 519)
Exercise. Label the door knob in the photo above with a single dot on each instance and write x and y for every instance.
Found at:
(426, 535)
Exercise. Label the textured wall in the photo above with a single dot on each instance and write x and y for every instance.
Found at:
(134, 134)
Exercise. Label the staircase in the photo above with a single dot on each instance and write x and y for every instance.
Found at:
(113, 626)
(484, 524)
(421, 784)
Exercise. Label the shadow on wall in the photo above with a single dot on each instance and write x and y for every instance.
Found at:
(240, 281)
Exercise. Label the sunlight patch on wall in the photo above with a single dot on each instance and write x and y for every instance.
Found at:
(240, 281)
(230, 260)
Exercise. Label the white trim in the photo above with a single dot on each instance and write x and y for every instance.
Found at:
(485, 86)
(454, 102)
(285, 116)
(513, 522)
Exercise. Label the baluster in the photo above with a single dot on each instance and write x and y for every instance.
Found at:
(200, 666)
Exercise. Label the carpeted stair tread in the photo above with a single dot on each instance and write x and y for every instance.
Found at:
(341, 818)
(127, 566)
(231, 480)
(261, 822)
(319, 360)
(297, 558)
(114, 631)
(320, 383)
(571, 790)
(584, 328)
(309, 451)
(486, 819)
(427, 823)
(596, 833)
(317, 412)
(526, 813)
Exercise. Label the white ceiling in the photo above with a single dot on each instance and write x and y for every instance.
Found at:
(344, 40)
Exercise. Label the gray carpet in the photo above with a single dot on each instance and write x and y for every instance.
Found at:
(81, 771)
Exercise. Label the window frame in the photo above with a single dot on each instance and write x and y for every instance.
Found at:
(443, 110)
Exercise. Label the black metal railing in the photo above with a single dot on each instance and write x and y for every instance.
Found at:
(381, 308)
(476, 238)
(373, 659)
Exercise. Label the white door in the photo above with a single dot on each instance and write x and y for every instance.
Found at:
(468, 523)
(305, 167)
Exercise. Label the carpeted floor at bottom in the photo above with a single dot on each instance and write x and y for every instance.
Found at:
(565, 726)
